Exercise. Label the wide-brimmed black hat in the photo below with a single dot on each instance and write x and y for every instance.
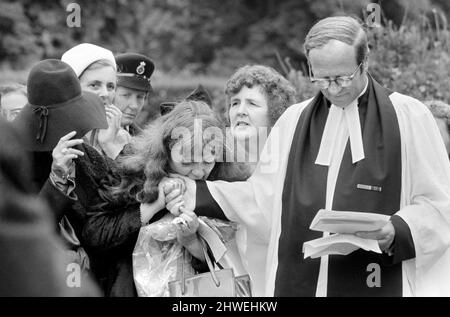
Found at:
(57, 106)
(134, 71)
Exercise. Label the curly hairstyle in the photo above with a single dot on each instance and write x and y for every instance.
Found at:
(279, 91)
(147, 158)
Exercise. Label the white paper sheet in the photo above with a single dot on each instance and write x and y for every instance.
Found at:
(347, 221)
(341, 244)
(343, 225)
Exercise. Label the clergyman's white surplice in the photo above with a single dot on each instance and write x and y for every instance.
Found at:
(425, 199)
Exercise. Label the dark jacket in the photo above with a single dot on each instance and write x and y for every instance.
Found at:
(108, 231)
(40, 184)
(108, 250)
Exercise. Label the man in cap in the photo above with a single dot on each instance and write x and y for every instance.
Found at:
(133, 87)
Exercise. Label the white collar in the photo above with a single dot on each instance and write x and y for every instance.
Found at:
(351, 119)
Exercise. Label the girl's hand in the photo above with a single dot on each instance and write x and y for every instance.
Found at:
(187, 226)
(171, 184)
(189, 190)
(188, 223)
(173, 190)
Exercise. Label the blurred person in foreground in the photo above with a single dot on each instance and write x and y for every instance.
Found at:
(32, 261)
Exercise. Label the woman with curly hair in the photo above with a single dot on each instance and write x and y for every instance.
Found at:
(257, 96)
(188, 141)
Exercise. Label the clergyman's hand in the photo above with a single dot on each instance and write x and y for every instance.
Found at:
(385, 237)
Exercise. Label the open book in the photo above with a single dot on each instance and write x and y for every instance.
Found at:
(343, 224)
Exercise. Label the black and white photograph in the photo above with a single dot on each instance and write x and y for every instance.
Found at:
(233, 152)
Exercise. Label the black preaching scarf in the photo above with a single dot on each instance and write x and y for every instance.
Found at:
(304, 194)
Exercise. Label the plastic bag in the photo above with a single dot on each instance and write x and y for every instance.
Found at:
(157, 258)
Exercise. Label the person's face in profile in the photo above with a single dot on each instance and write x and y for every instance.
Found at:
(101, 81)
(248, 111)
(130, 102)
(11, 104)
(336, 59)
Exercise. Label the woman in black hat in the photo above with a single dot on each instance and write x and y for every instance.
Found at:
(52, 125)
(57, 110)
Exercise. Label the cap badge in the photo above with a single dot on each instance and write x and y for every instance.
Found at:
(141, 68)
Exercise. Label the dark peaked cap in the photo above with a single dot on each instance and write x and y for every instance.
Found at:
(134, 71)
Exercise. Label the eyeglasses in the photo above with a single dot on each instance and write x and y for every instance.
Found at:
(340, 81)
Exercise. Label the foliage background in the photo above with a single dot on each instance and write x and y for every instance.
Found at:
(204, 41)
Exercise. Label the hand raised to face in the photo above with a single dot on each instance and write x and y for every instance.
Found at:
(63, 154)
(113, 117)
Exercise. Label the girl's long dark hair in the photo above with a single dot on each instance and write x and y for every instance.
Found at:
(147, 159)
